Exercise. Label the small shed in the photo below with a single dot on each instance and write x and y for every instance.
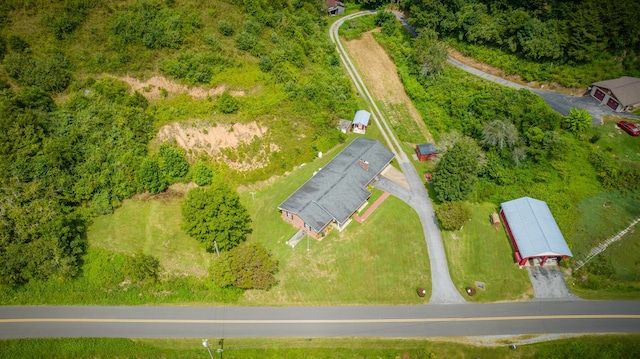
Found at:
(426, 152)
(533, 232)
(344, 126)
(495, 220)
(361, 121)
(335, 7)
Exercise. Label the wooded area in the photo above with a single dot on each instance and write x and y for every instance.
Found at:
(75, 139)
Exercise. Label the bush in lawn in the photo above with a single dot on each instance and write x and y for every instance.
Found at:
(453, 215)
(227, 103)
(246, 41)
(265, 64)
(215, 215)
(577, 121)
(225, 28)
(201, 174)
(141, 267)
(172, 163)
(247, 266)
(150, 176)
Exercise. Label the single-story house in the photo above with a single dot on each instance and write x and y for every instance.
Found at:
(361, 121)
(621, 94)
(426, 152)
(335, 7)
(534, 233)
(335, 192)
(344, 126)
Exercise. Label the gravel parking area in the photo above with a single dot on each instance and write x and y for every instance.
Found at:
(548, 282)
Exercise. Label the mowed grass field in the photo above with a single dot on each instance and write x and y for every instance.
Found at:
(381, 261)
(583, 347)
(479, 253)
(152, 225)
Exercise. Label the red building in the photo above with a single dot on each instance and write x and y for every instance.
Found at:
(426, 152)
(534, 233)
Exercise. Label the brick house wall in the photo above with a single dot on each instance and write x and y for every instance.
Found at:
(297, 222)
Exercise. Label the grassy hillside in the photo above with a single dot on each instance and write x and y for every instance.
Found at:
(275, 59)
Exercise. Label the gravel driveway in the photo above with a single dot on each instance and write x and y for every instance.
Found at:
(548, 282)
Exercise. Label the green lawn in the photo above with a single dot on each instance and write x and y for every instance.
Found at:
(616, 140)
(380, 261)
(479, 253)
(588, 347)
(153, 226)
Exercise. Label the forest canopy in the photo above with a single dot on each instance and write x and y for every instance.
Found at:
(563, 31)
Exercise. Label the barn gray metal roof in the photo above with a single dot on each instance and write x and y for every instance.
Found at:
(337, 190)
(625, 89)
(534, 229)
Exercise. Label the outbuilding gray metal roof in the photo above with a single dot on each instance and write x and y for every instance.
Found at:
(534, 229)
(625, 89)
(361, 118)
(337, 190)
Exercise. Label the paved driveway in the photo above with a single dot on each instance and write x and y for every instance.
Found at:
(563, 103)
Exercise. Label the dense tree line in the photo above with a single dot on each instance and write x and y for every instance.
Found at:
(564, 31)
(58, 166)
(61, 164)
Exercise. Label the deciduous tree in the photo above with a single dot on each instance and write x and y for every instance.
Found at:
(150, 176)
(453, 215)
(429, 54)
(499, 133)
(457, 171)
(172, 163)
(247, 266)
(215, 215)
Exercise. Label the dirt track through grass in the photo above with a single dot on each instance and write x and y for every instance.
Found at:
(381, 76)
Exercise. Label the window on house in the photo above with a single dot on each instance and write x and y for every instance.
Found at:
(289, 215)
(307, 226)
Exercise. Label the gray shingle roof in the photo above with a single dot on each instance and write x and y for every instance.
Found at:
(339, 188)
(427, 149)
(625, 89)
(534, 229)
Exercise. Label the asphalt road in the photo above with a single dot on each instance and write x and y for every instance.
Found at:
(443, 290)
(536, 317)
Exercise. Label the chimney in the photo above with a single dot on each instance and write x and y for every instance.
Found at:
(364, 164)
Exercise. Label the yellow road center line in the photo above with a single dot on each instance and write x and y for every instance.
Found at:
(315, 321)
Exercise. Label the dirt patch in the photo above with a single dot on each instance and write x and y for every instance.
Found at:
(547, 86)
(381, 77)
(152, 88)
(176, 190)
(213, 140)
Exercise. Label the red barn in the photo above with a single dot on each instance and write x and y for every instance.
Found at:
(534, 233)
(426, 152)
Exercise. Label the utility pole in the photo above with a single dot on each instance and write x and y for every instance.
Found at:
(215, 246)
